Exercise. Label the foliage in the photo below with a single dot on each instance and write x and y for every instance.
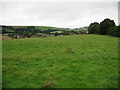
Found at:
(115, 31)
(3, 31)
(105, 25)
(93, 28)
(7, 29)
(56, 33)
(26, 32)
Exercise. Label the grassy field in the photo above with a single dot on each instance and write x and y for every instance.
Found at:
(76, 61)
(43, 28)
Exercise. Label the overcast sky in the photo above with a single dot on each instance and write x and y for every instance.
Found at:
(58, 14)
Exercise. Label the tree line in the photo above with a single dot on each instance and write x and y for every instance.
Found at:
(106, 27)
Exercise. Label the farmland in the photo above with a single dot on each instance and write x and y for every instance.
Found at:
(73, 61)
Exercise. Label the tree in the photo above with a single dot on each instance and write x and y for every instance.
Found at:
(29, 31)
(93, 28)
(56, 33)
(21, 31)
(115, 31)
(105, 25)
(3, 31)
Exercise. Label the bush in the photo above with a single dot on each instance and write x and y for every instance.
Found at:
(12, 35)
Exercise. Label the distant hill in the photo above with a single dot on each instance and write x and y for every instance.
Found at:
(83, 28)
(42, 28)
(48, 28)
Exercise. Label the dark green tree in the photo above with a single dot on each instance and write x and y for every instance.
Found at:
(115, 31)
(56, 33)
(105, 26)
(30, 30)
(3, 31)
(93, 28)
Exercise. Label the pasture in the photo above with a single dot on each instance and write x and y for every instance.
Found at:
(74, 61)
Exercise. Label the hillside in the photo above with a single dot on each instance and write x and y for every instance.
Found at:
(43, 28)
(48, 27)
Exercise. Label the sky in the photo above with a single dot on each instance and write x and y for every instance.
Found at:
(59, 13)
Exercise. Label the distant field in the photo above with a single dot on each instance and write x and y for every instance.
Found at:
(76, 61)
(43, 28)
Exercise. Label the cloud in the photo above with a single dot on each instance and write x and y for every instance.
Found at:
(58, 14)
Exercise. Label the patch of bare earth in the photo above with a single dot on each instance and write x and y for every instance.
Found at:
(5, 38)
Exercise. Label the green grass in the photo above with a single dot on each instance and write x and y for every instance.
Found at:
(44, 28)
(77, 61)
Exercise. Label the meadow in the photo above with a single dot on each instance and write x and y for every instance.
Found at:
(73, 61)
